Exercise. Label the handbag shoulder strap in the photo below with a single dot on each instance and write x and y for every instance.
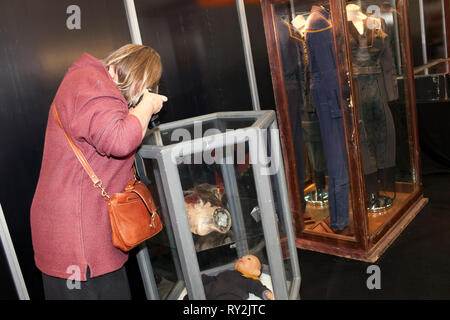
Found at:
(80, 156)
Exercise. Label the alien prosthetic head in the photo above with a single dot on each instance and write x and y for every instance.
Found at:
(205, 210)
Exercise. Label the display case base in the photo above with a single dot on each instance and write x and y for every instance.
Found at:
(338, 248)
(317, 199)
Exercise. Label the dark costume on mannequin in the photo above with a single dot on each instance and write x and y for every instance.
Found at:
(375, 86)
(326, 95)
(298, 82)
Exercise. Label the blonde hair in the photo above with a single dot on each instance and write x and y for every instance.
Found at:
(138, 67)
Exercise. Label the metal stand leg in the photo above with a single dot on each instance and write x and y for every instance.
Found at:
(258, 155)
(168, 225)
(281, 183)
(148, 278)
(10, 253)
(180, 224)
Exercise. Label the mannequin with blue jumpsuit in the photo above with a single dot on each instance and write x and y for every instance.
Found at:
(326, 95)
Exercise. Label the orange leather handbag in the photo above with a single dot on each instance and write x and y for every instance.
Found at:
(132, 213)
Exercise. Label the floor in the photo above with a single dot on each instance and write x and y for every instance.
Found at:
(416, 266)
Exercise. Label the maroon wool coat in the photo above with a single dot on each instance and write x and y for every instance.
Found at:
(69, 218)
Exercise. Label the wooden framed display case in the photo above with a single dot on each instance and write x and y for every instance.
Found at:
(343, 81)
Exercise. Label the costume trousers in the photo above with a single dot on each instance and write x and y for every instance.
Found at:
(377, 128)
(333, 140)
(110, 286)
(313, 142)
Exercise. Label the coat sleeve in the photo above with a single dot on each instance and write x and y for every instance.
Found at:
(208, 279)
(257, 288)
(105, 123)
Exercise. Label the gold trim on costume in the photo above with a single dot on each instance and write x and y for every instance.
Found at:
(320, 30)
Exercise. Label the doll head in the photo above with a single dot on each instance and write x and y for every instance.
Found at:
(249, 265)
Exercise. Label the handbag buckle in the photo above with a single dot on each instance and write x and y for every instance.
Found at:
(153, 219)
(100, 186)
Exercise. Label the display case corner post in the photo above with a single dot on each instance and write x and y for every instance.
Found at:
(147, 274)
(446, 8)
(286, 212)
(269, 224)
(180, 224)
(412, 92)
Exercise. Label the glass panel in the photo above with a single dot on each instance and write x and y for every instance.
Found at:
(223, 213)
(162, 248)
(306, 46)
(384, 114)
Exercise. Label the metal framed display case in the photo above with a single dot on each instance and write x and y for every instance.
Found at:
(349, 136)
(220, 186)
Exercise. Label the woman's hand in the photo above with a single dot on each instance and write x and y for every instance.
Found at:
(150, 104)
(154, 101)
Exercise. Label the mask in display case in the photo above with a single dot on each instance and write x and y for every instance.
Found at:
(348, 128)
(219, 184)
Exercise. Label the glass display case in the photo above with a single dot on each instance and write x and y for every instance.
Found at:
(220, 186)
(349, 130)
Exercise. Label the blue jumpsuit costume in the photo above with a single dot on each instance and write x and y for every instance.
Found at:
(303, 115)
(326, 95)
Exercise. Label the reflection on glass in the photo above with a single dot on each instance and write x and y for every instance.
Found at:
(305, 38)
(384, 121)
(201, 129)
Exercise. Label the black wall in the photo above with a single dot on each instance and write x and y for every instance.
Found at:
(203, 56)
(434, 134)
(204, 72)
(260, 57)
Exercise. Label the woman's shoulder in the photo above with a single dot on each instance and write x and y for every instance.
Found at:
(87, 70)
(87, 76)
(316, 22)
